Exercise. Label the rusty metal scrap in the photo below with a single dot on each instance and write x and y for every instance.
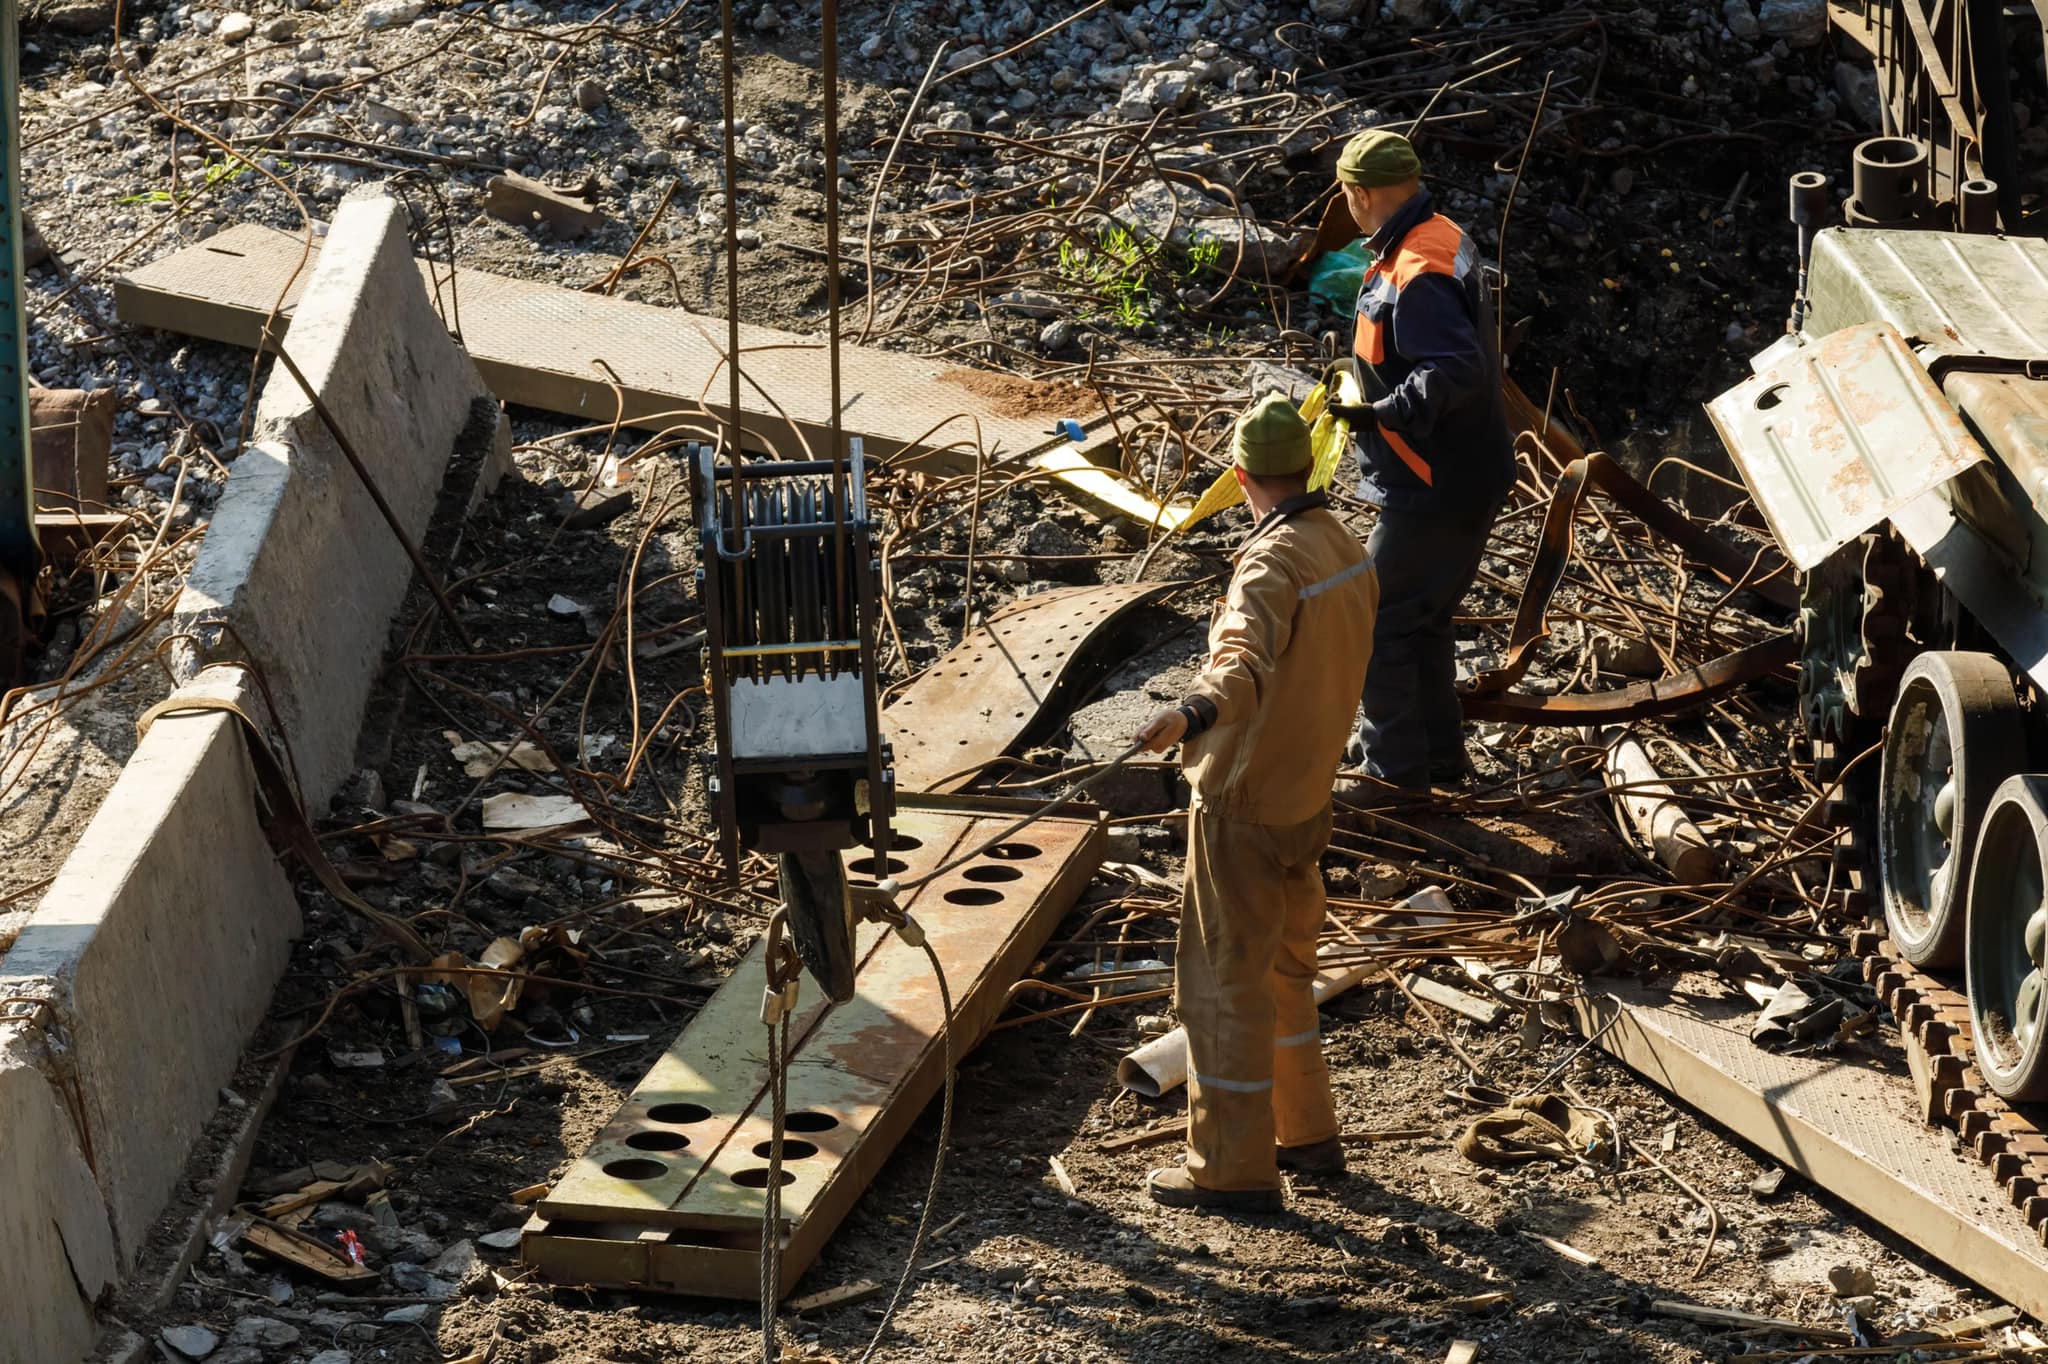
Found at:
(1488, 697)
(973, 704)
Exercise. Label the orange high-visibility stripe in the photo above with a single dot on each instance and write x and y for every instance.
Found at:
(1369, 341)
(1430, 248)
(1416, 463)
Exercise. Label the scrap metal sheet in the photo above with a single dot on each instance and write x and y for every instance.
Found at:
(972, 705)
(1834, 436)
(1847, 1123)
(672, 1188)
(1962, 293)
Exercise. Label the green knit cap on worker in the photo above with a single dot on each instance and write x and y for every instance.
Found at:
(1378, 157)
(1272, 440)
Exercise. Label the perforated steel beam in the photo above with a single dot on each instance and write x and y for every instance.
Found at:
(670, 1194)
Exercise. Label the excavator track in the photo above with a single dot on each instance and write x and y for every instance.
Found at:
(1934, 1029)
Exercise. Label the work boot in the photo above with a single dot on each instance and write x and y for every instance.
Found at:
(1317, 1158)
(1453, 775)
(1172, 1188)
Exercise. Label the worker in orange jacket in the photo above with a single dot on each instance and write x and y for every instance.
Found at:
(1437, 456)
(1262, 732)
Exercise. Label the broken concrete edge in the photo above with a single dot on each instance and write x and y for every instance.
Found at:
(153, 955)
(151, 959)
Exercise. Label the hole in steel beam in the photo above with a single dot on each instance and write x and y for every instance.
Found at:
(992, 875)
(900, 842)
(809, 1120)
(866, 865)
(1015, 852)
(635, 1167)
(792, 1149)
(758, 1179)
(657, 1140)
(1772, 396)
(680, 1115)
(973, 895)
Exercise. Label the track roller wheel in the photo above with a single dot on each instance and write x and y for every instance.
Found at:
(1955, 734)
(2007, 951)
(820, 908)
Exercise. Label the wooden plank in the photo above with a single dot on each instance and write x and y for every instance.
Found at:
(1462, 1352)
(540, 345)
(1483, 1011)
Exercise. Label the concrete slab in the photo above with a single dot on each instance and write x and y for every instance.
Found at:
(156, 945)
(56, 1247)
(153, 953)
(295, 520)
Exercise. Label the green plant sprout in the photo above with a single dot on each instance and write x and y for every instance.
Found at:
(217, 172)
(1119, 270)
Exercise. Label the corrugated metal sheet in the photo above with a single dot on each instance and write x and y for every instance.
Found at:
(1834, 435)
(1960, 293)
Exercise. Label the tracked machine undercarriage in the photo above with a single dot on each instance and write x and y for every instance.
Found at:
(1896, 439)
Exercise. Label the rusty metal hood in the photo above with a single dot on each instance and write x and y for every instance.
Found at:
(1835, 435)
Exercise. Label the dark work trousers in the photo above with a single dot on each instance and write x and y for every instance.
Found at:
(1426, 563)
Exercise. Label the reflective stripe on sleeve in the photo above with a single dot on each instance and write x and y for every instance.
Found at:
(1300, 1039)
(1337, 579)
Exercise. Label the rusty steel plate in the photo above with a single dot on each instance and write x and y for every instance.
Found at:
(1851, 1125)
(1834, 436)
(972, 705)
(670, 1194)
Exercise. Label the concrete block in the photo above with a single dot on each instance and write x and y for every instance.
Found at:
(157, 946)
(56, 1247)
(299, 572)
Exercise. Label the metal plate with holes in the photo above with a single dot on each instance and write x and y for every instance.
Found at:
(1846, 1124)
(1834, 436)
(670, 1194)
(972, 705)
(540, 345)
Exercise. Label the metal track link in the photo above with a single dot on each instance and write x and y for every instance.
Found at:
(1934, 1030)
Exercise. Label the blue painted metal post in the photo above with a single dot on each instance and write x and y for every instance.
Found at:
(20, 557)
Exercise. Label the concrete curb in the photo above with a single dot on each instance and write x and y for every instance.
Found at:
(133, 988)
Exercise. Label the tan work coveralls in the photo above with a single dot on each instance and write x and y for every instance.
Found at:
(1288, 648)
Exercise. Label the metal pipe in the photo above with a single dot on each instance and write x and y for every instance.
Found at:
(1809, 208)
(736, 545)
(1977, 206)
(20, 555)
(1890, 178)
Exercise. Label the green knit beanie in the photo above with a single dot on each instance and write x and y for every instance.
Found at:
(1272, 439)
(1378, 157)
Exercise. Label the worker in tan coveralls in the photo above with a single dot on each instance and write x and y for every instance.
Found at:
(1263, 730)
